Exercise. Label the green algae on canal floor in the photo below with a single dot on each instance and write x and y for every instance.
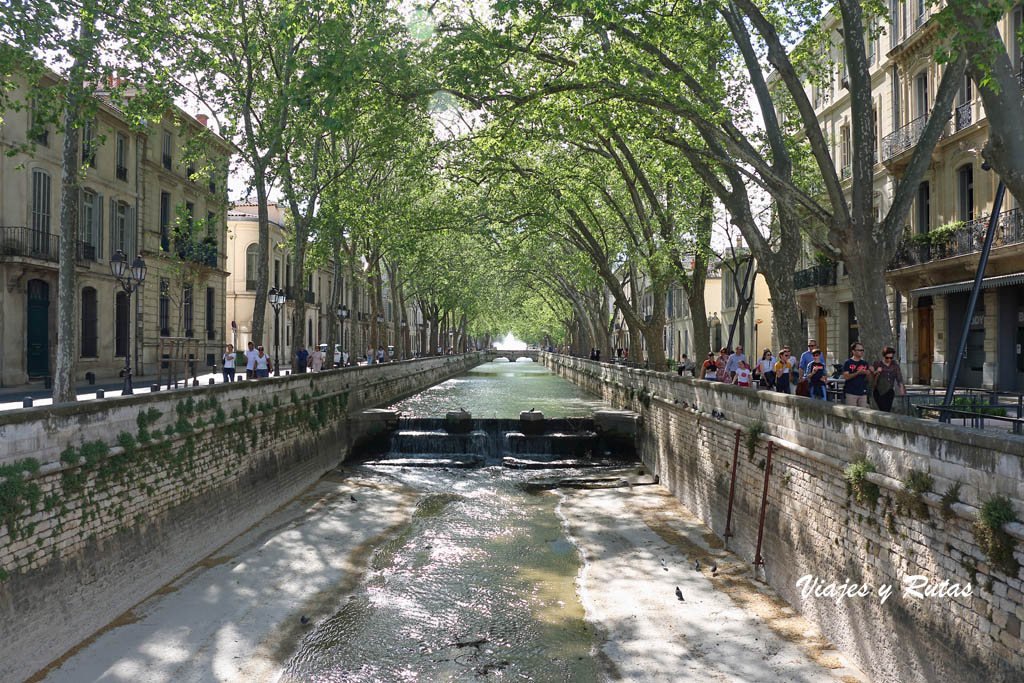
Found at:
(481, 581)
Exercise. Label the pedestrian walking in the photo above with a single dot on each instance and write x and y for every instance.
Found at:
(721, 375)
(597, 355)
(888, 380)
(766, 369)
(229, 364)
(815, 375)
(380, 354)
(855, 374)
(807, 357)
(250, 361)
(316, 359)
(783, 368)
(708, 368)
(302, 358)
(369, 354)
(733, 363)
(743, 374)
(261, 363)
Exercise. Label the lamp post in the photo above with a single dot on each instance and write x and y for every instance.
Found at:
(276, 298)
(405, 338)
(343, 314)
(129, 279)
(380, 342)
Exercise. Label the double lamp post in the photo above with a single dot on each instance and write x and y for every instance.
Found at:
(129, 279)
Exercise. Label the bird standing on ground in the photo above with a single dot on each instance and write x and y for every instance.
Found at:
(679, 594)
(352, 498)
(696, 565)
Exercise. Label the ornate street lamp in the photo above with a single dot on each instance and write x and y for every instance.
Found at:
(130, 279)
(276, 297)
(343, 314)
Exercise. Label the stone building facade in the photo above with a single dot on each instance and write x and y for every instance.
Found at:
(134, 182)
(930, 278)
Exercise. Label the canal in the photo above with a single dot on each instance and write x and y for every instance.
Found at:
(388, 572)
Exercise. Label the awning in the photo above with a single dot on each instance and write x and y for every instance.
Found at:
(966, 285)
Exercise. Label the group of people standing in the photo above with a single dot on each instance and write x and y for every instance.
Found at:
(806, 376)
(258, 364)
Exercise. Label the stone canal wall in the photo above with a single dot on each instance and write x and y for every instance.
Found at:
(865, 526)
(103, 502)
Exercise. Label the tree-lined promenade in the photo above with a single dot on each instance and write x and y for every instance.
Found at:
(542, 166)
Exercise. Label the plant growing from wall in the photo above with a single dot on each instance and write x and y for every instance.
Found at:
(952, 495)
(994, 541)
(857, 483)
(16, 494)
(752, 437)
(910, 501)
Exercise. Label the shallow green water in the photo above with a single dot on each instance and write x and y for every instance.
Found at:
(480, 583)
(501, 389)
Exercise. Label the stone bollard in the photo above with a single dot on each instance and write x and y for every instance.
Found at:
(100, 393)
(458, 422)
(531, 422)
(27, 402)
(211, 382)
(154, 387)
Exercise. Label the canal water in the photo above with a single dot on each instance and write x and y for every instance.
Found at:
(502, 389)
(481, 580)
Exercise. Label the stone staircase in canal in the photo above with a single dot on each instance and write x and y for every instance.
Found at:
(531, 442)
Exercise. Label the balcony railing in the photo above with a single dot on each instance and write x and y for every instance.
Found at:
(963, 116)
(904, 138)
(965, 240)
(921, 19)
(122, 173)
(204, 253)
(821, 275)
(845, 171)
(39, 245)
(310, 297)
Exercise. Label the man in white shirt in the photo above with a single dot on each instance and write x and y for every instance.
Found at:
(733, 364)
(250, 361)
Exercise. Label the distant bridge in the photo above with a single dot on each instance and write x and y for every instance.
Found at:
(532, 354)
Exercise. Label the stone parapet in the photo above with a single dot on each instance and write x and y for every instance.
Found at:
(815, 525)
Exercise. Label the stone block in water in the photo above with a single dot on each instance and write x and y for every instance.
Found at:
(531, 422)
(458, 421)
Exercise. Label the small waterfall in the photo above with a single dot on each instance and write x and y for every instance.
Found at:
(566, 442)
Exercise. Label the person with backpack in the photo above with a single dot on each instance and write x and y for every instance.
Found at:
(888, 380)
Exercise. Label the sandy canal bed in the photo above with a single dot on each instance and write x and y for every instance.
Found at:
(243, 613)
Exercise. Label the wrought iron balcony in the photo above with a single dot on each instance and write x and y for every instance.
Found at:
(167, 161)
(903, 138)
(40, 245)
(963, 117)
(821, 275)
(204, 253)
(966, 239)
(122, 173)
(845, 171)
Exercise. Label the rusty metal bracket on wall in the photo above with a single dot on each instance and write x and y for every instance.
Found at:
(758, 560)
(732, 485)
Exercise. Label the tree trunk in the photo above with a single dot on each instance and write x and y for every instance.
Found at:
(867, 281)
(335, 300)
(259, 308)
(299, 312)
(67, 290)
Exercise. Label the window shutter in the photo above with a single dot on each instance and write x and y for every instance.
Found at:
(113, 226)
(98, 227)
(80, 228)
(130, 238)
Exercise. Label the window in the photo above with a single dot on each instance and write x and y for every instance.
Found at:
(844, 151)
(89, 323)
(921, 12)
(190, 217)
(870, 38)
(211, 332)
(40, 211)
(89, 225)
(165, 221)
(122, 157)
(277, 272)
(966, 94)
(923, 208)
(186, 303)
(965, 186)
(89, 144)
(122, 229)
(895, 98)
(211, 224)
(251, 265)
(165, 307)
(894, 23)
(921, 90)
(167, 149)
(38, 131)
(288, 271)
(191, 170)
